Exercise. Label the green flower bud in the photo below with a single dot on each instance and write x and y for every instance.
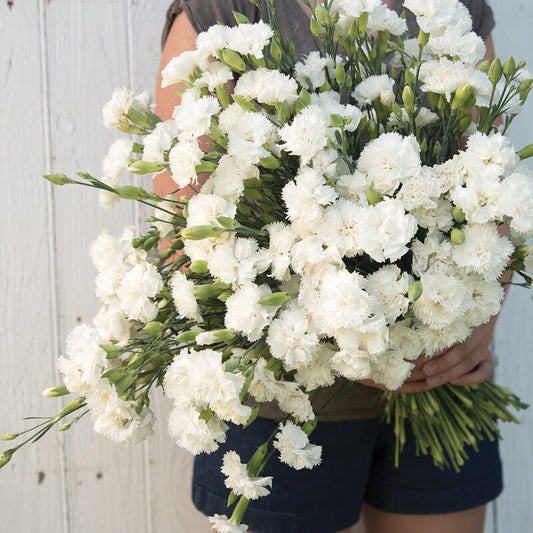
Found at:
(373, 196)
(275, 50)
(408, 98)
(484, 66)
(458, 215)
(72, 406)
(188, 336)
(284, 112)
(424, 145)
(322, 14)
(217, 335)
(203, 292)
(138, 118)
(150, 242)
(132, 130)
(415, 291)
(222, 96)
(336, 121)
(495, 71)
(124, 383)
(130, 192)
(10, 436)
(316, 28)
(224, 296)
(153, 328)
(275, 298)
(522, 251)
(65, 427)
(362, 22)
(462, 94)
(227, 222)
(509, 67)
(309, 426)
(253, 416)
(457, 236)
(205, 167)
(340, 74)
(526, 152)
(410, 78)
(423, 38)
(233, 60)
(6, 456)
(54, 392)
(145, 167)
(197, 233)
(58, 179)
(199, 267)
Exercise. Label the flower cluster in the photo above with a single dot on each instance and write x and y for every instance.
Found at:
(352, 220)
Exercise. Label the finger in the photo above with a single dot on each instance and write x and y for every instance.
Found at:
(413, 386)
(447, 360)
(480, 374)
(465, 365)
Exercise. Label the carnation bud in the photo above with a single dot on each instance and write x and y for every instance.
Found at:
(340, 74)
(202, 292)
(484, 66)
(145, 167)
(232, 363)
(58, 179)
(188, 336)
(457, 236)
(423, 38)
(458, 215)
(275, 298)
(410, 78)
(222, 95)
(65, 427)
(199, 267)
(509, 67)
(495, 71)
(197, 233)
(227, 222)
(217, 335)
(464, 123)
(153, 328)
(408, 97)
(54, 392)
(275, 50)
(336, 121)
(526, 152)
(462, 94)
(316, 28)
(10, 436)
(322, 14)
(72, 406)
(522, 251)
(415, 291)
(6, 456)
(373, 196)
(362, 22)
(233, 60)
(253, 416)
(150, 242)
(130, 192)
(309, 426)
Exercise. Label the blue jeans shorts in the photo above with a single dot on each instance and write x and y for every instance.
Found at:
(357, 466)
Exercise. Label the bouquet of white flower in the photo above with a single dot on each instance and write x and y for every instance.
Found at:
(344, 230)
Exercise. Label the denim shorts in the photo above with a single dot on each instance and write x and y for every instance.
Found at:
(357, 466)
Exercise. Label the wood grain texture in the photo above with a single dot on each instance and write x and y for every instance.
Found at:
(88, 59)
(31, 487)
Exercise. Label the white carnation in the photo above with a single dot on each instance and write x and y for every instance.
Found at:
(214, 74)
(180, 69)
(237, 478)
(183, 158)
(193, 118)
(484, 251)
(282, 238)
(375, 87)
(267, 87)
(517, 202)
(312, 72)
(249, 39)
(389, 286)
(295, 449)
(247, 135)
(159, 141)
(221, 523)
(184, 298)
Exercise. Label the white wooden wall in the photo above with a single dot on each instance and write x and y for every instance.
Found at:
(59, 62)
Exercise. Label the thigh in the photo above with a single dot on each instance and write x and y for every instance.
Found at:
(417, 487)
(376, 521)
(325, 499)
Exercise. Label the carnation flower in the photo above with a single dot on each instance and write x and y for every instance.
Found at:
(183, 159)
(159, 141)
(214, 74)
(184, 298)
(249, 39)
(389, 286)
(221, 524)
(282, 238)
(180, 69)
(319, 372)
(469, 47)
(247, 135)
(239, 482)
(312, 72)
(245, 313)
(484, 251)
(516, 201)
(435, 340)
(193, 433)
(267, 86)
(435, 16)
(193, 118)
(374, 87)
(442, 302)
(352, 364)
(295, 450)
(388, 160)
(484, 301)
(384, 19)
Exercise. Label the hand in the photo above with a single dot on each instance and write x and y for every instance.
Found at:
(467, 363)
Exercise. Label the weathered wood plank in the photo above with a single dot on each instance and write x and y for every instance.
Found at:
(31, 488)
(88, 59)
(514, 335)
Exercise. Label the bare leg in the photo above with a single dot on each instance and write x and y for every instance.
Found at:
(470, 521)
